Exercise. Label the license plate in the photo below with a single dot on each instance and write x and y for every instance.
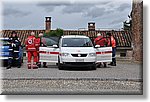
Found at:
(79, 60)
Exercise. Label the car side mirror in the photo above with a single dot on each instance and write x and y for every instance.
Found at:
(97, 46)
(55, 46)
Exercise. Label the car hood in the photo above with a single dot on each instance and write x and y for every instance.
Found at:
(77, 50)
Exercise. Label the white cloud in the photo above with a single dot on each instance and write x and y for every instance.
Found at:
(66, 14)
(14, 12)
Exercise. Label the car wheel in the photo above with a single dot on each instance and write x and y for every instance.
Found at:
(5, 63)
(60, 67)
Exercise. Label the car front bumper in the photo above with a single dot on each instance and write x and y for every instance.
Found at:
(78, 64)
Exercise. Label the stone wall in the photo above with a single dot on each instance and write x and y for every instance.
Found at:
(137, 29)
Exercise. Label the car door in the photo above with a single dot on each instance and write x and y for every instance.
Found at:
(104, 54)
(5, 50)
(48, 54)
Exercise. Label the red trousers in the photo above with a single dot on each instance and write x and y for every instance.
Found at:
(35, 57)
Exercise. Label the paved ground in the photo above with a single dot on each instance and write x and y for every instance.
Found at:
(125, 78)
(121, 71)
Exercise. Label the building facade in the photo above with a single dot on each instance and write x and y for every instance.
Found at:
(137, 29)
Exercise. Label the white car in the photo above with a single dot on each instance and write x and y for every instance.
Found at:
(75, 51)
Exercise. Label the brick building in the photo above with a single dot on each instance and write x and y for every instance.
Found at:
(137, 29)
(123, 37)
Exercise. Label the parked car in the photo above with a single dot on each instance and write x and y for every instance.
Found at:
(75, 51)
(5, 51)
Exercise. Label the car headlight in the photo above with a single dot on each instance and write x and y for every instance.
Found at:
(92, 54)
(64, 54)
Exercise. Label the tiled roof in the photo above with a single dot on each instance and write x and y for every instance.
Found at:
(123, 37)
(22, 34)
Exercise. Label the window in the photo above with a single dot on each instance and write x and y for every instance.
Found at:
(122, 54)
(5, 42)
(76, 42)
(49, 41)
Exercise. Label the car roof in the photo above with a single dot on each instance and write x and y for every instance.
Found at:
(74, 36)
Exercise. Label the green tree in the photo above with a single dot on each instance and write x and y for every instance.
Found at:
(54, 33)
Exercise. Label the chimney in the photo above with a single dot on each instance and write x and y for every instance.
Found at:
(91, 26)
(48, 23)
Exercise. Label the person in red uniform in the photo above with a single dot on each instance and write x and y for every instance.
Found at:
(37, 44)
(100, 40)
(31, 50)
(112, 42)
(40, 42)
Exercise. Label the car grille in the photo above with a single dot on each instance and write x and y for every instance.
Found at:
(79, 55)
(79, 63)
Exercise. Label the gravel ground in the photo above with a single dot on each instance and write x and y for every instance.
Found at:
(77, 86)
(125, 78)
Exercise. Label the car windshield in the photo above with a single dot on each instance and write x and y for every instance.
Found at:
(76, 42)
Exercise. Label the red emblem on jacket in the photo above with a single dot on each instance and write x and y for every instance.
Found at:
(30, 43)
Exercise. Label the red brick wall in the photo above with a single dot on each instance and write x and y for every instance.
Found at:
(137, 30)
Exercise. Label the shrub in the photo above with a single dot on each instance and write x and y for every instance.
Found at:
(54, 33)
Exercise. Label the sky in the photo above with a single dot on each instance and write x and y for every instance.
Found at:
(66, 14)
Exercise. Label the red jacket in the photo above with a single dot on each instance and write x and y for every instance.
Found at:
(100, 41)
(37, 43)
(112, 41)
(30, 43)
